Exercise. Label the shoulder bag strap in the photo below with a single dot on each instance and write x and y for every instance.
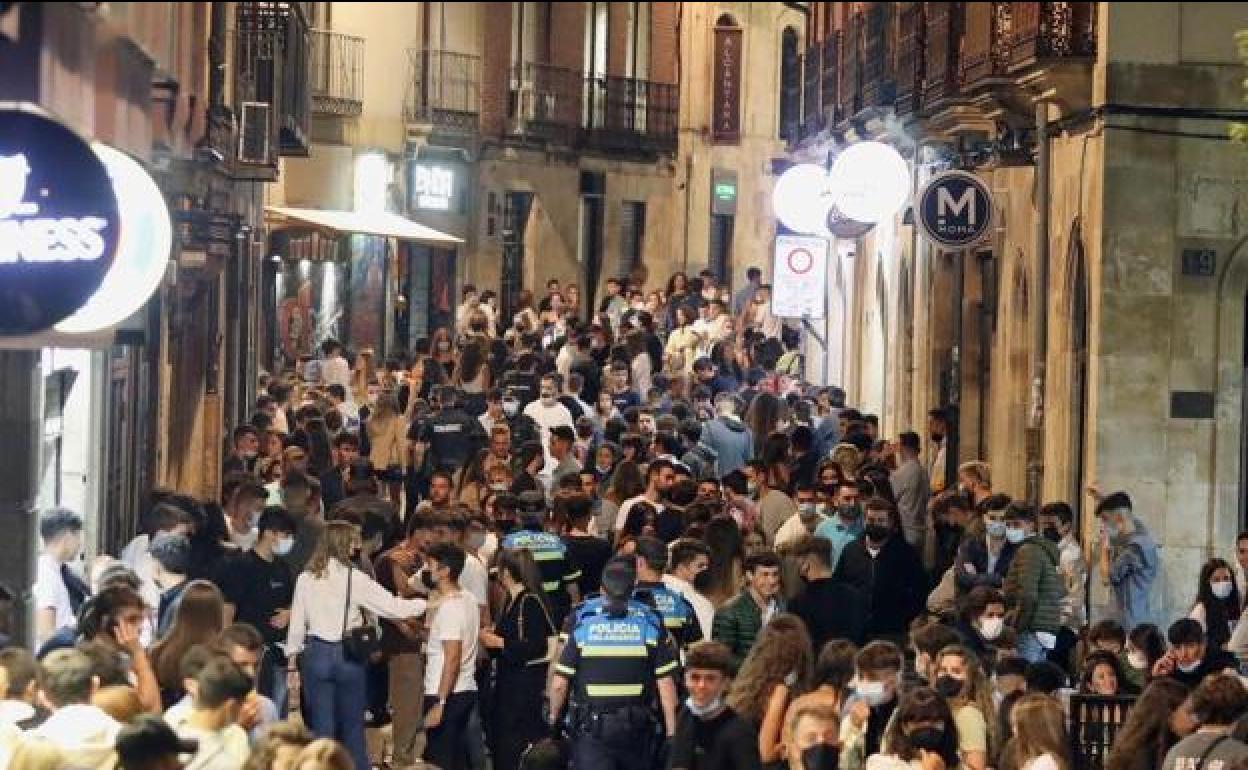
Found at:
(1200, 763)
(346, 608)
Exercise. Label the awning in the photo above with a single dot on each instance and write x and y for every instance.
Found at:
(380, 223)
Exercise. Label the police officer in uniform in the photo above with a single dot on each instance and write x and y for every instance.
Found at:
(451, 437)
(614, 668)
(523, 427)
(559, 574)
(677, 614)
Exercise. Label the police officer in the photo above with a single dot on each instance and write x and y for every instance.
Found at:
(677, 614)
(523, 427)
(451, 437)
(614, 667)
(559, 574)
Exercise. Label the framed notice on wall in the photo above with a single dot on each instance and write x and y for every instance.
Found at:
(726, 98)
(799, 277)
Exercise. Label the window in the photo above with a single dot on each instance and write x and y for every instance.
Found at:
(790, 84)
(632, 237)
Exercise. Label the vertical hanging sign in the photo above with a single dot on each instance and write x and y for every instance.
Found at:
(726, 99)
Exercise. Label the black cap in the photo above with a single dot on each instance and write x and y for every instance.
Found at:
(148, 738)
(619, 578)
(532, 503)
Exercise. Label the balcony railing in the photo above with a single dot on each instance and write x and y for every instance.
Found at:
(910, 58)
(546, 102)
(812, 105)
(630, 115)
(1051, 30)
(878, 86)
(986, 44)
(271, 75)
(444, 90)
(336, 67)
(942, 46)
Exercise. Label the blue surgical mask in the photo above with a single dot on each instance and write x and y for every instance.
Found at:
(1015, 535)
(871, 692)
(283, 546)
(712, 708)
(995, 528)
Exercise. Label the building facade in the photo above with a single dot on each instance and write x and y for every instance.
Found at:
(1102, 319)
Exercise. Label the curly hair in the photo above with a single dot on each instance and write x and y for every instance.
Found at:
(783, 649)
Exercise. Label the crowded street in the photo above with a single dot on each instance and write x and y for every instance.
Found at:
(623, 386)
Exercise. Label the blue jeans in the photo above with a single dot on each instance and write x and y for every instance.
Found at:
(271, 679)
(334, 697)
(1030, 649)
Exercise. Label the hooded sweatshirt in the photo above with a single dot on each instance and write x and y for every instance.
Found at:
(1132, 570)
(731, 441)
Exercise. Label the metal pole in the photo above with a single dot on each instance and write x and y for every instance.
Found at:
(953, 439)
(1040, 327)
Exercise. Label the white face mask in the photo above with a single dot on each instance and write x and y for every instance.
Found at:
(991, 628)
(283, 546)
(1221, 588)
(702, 712)
(1137, 660)
(871, 692)
(1188, 668)
(1015, 535)
(511, 408)
(995, 528)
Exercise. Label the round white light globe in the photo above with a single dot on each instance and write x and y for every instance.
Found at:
(801, 199)
(870, 181)
(142, 249)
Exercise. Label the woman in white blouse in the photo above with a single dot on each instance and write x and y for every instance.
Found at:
(319, 619)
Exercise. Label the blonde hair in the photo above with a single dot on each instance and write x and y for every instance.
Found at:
(324, 754)
(336, 543)
(847, 457)
(979, 471)
(38, 755)
(977, 691)
(816, 705)
(1040, 728)
(119, 701)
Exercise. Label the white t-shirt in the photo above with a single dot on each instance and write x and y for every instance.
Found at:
(626, 508)
(474, 579)
(456, 619)
(547, 418)
(50, 591)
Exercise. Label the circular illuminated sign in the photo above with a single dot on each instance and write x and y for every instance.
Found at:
(142, 251)
(59, 221)
(801, 198)
(870, 182)
(954, 209)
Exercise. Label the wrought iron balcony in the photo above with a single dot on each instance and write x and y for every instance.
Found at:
(444, 91)
(630, 115)
(879, 89)
(270, 52)
(336, 67)
(986, 42)
(942, 43)
(910, 63)
(1041, 31)
(546, 103)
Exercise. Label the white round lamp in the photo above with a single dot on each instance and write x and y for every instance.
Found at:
(870, 182)
(801, 199)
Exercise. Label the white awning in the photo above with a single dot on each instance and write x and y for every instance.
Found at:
(380, 223)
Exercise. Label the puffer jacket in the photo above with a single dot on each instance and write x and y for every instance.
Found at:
(1033, 587)
(732, 441)
(737, 624)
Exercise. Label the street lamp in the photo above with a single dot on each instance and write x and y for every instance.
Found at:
(870, 182)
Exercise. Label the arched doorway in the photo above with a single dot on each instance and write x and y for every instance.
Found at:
(1077, 361)
(1230, 445)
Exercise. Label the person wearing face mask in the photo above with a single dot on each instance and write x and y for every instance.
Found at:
(1034, 589)
(811, 734)
(243, 499)
(923, 736)
(961, 681)
(1128, 558)
(1190, 659)
(820, 592)
(888, 570)
(709, 733)
(1217, 603)
(450, 437)
(846, 525)
(547, 412)
(981, 622)
(245, 451)
(1057, 524)
(810, 515)
(874, 700)
(258, 588)
(986, 553)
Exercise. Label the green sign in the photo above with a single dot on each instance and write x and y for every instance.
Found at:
(726, 191)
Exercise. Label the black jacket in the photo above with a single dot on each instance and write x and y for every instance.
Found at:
(832, 610)
(894, 582)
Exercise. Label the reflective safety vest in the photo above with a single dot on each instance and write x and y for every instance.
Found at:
(614, 661)
(551, 555)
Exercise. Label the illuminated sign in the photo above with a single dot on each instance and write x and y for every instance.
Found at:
(142, 251)
(59, 221)
(432, 187)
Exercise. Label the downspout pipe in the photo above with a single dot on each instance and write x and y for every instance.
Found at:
(1040, 325)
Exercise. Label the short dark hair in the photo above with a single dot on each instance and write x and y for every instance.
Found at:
(814, 547)
(442, 475)
(274, 518)
(1219, 700)
(653, 550)
(764, 559)
(296, 480)
(336, 391)
(710, 656)
(450, 556)
(347, 439)
(879, 656)
(563, 433)
(938, 414)
(242, 635)
(243, 430)
(1060, 511)
(736, 482)
(1116, 501)
(995, 503)
(934, 637)
(1186, 631)
(1011, 665)
(978, 599)
(574, 508)
(685, 550)
(802, 438)
(57, 521)
(1107, 630)
(219, 681)
(910, 440)
(1020, 511)
(1044, 677)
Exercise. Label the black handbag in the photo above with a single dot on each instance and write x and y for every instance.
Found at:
(359, 645)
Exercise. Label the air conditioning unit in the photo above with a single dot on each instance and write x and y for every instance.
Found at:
(255, 134)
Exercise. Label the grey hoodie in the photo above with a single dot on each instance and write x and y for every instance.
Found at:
(731, 440)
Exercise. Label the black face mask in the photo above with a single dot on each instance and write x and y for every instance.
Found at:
(821, 756)
(429, 580)
(702, 581)
(877, 533)
(1052, 534)
(948, 686)
(927, 739)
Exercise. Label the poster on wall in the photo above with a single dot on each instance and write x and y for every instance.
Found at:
(367, 293)
(799, 277)
(726, 98)
(309, 307)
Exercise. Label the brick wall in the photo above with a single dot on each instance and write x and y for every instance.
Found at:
(567, 35)
(618, 29)
(664, 42)
(495, 61)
